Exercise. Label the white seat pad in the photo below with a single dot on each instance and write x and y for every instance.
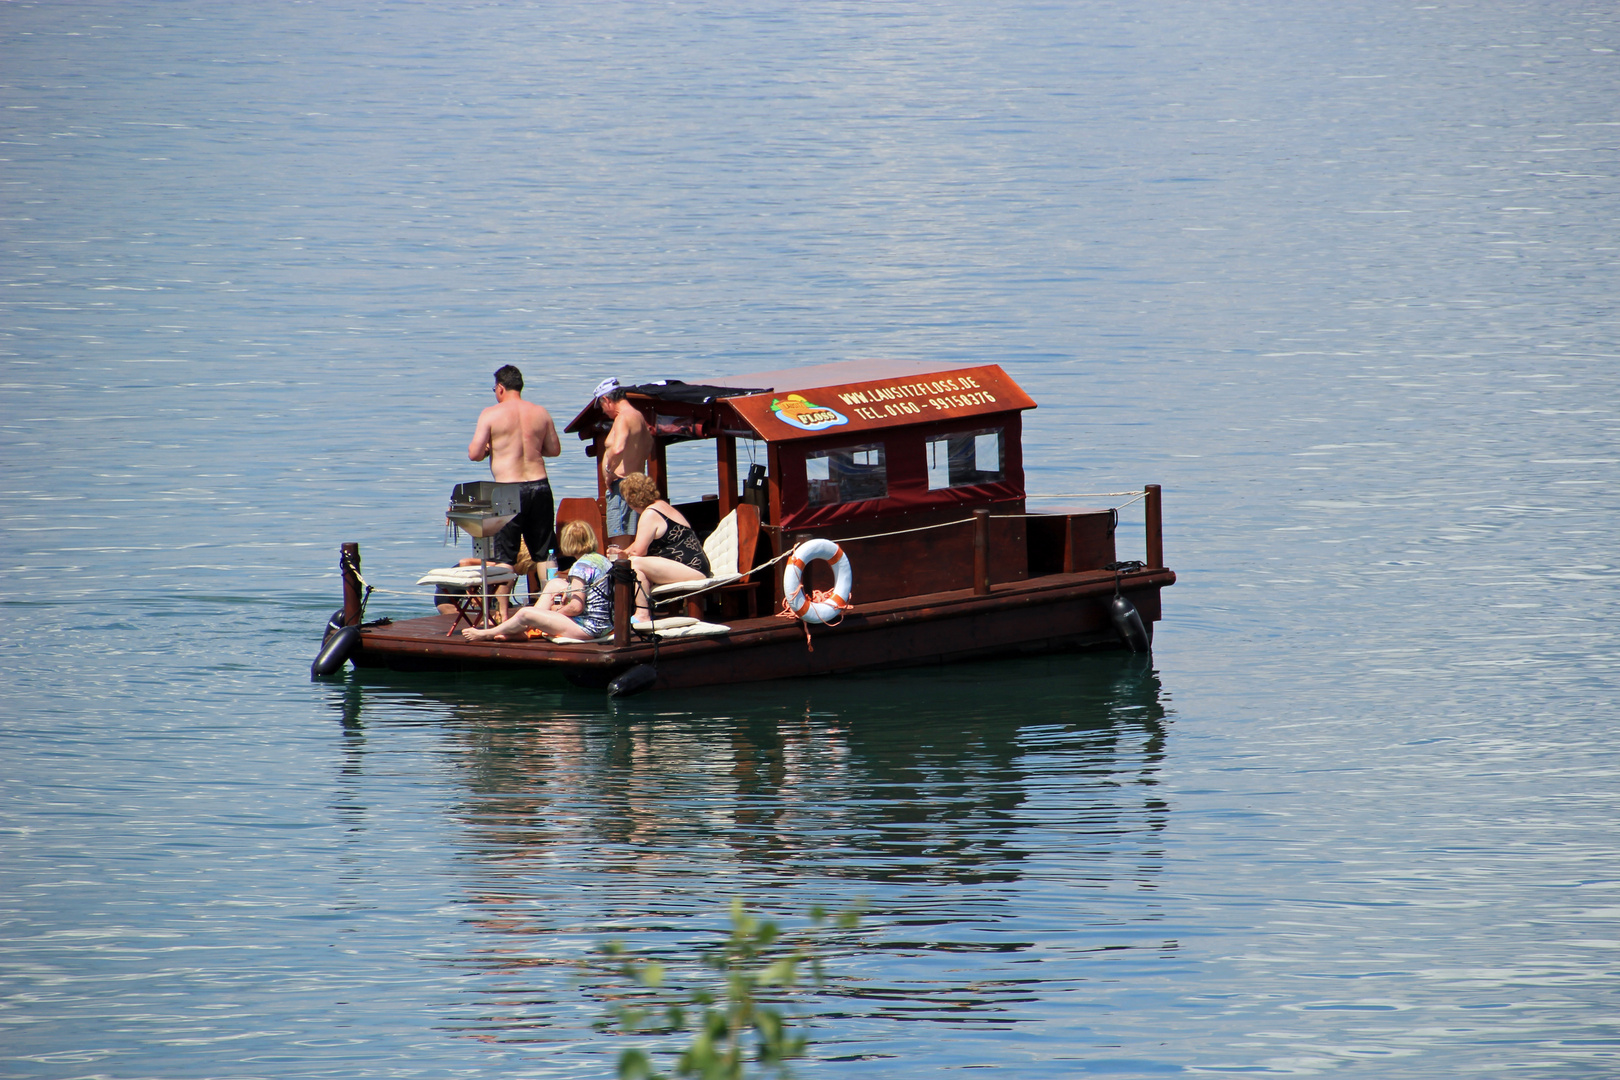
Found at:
(664, 622)
(681, 588)
(606, 635)
(463, 577)
(696, 629)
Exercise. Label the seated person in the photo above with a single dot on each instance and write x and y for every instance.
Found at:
(444, 597)
(665, 548)
(530, 567)
(579, 606)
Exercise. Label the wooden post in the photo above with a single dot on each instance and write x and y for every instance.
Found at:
(773, 480)
(981, 552)
(1155, 527)
(786, 543)
(349, 567)
(594, 452)
(1068, 543)
(624, 602)
(726, 471)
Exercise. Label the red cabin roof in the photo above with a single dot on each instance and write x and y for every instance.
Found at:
(830, 399)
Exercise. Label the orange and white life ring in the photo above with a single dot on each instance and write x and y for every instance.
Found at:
(824, 608)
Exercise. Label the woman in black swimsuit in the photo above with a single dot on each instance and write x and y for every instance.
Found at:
(665, 549)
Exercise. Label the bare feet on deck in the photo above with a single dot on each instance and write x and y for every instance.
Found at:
(472, 634)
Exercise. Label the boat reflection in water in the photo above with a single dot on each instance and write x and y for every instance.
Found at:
(1007, 809)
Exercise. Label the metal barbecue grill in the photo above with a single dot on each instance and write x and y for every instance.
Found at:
(481, 508)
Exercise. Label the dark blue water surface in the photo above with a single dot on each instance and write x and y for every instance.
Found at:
(1340, 276)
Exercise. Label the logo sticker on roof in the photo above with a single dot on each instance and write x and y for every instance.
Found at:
(805, 416)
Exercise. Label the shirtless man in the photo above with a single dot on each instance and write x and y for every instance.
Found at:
(626, 450)
(517, 436)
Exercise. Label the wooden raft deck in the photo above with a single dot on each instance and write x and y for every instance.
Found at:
(1053, 612)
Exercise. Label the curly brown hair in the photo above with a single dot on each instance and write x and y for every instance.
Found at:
(639, 491)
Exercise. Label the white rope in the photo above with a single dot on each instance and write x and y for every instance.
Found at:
(902, 532)
(1135, 496)
(789, 553)
(1094, 495)
(1139, 496)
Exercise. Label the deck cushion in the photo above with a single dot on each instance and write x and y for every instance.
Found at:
(664, 622)
(464, 577)
(696, 629)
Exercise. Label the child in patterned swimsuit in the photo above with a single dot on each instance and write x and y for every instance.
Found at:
(578, 606)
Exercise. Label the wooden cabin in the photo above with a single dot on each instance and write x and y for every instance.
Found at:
(852, 449)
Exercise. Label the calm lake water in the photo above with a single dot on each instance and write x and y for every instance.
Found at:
(1340, 276)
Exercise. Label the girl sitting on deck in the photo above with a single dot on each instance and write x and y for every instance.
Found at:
(579, 607)
(665, 549)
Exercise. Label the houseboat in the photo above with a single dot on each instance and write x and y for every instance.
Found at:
(880, 521)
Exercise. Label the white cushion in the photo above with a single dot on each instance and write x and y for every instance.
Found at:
(606, 635)
(666, 628)
(697, 629)
(664, 622)
(721, 547)
(681, 588)
(465, 577)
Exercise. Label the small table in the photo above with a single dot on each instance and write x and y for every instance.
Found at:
(475, 581)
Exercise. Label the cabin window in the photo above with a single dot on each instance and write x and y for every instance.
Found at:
(847, 474)
(965, 458)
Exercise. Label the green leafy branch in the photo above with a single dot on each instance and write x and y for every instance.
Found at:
(731, 1023)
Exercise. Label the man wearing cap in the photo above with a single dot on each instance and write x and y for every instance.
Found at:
(626, 450)
(517, 436)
